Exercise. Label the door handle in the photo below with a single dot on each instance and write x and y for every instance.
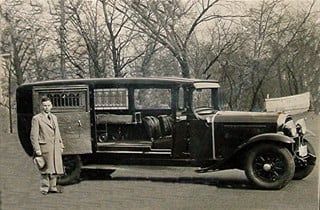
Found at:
(79, 123)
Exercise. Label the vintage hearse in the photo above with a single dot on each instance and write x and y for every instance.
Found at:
(169, 121)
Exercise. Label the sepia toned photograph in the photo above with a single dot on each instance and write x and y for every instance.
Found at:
(159, 104)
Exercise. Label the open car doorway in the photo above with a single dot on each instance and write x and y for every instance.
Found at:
(134, 119)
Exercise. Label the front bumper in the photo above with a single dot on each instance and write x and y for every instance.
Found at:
(309, 159)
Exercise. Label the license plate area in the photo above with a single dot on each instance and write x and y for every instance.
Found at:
(303, 150)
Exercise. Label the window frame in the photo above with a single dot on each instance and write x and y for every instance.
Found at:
(100, 106)
(155, 88)
(41, 91)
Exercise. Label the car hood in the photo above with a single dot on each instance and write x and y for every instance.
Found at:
(243, 117)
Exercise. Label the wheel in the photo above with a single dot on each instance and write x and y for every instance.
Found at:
(269, 166)
(303, 171)
(72, 164)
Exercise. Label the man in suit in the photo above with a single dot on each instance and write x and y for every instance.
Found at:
(46, 141)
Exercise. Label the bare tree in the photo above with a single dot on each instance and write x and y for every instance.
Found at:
(300, 66)
(121, 36)
(85, 19)
(108, 38)
(268, 26)
(15, 40)
(57, 9)
(172, 23)
(222, 41)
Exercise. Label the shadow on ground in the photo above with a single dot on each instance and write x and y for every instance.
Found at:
(221, 182)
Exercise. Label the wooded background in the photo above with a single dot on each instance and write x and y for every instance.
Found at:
(254, 48)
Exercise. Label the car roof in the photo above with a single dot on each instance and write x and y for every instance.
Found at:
(123, 81)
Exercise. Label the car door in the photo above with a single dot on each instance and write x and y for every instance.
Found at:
(181, 128)
(71, 106)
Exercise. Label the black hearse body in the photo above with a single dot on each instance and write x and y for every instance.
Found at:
(171, 121)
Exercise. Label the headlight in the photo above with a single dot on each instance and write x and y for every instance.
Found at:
(290, 129)
(301, 126)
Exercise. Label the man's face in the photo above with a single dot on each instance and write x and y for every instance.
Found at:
(46, 106)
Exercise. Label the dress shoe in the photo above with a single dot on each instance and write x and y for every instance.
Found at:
(59, 190)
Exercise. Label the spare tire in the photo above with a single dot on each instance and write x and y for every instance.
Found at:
(152, 127)
(156, 128)
(165, 125)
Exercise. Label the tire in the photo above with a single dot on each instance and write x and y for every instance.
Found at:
(302, 172)
(165, 125)
(152, 127)
(269, 166)
(72, 164)
(156, 128)
(148, 125)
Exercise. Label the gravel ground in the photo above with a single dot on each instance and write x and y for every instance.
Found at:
(150, 188)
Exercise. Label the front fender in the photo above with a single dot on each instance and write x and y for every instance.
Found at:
(236, 159)
(271, 137)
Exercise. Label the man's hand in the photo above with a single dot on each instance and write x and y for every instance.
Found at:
(38, 153)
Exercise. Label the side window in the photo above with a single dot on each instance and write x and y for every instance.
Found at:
(111, 98)
(66, 100)
(152, 98)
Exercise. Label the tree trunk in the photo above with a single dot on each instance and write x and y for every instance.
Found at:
(255, 95)
(185, 69)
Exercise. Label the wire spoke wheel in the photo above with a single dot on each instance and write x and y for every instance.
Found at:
(269, 166)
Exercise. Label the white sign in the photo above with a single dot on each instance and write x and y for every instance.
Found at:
(291, 104)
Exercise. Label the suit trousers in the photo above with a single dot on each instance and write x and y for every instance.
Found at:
(48, 182)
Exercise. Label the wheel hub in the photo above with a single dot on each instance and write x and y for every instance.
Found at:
(267, 167)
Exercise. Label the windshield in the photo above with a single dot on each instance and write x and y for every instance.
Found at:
(202, 98)
(205, 101)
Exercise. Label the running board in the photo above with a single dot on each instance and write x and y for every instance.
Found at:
(111, 167)
(151, 152)
(142, 144)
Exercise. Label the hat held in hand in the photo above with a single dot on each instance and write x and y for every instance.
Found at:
(39, 162)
